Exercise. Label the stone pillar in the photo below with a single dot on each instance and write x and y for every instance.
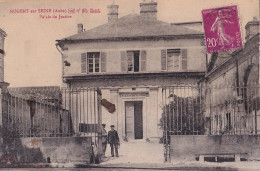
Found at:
(114, 117)
(153, 117)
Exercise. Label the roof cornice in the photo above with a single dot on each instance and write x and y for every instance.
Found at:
(188, 74)
(142, 38)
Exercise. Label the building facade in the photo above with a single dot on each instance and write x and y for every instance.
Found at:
(131, 59)
(232, 88)
(3, 84)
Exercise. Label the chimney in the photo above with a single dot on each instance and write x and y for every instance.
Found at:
(252, 28)
(149, 10)
(112, 14)
(80, 28)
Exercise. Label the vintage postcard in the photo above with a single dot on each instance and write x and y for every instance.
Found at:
(129, 84)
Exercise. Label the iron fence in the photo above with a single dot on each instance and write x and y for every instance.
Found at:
(182, 113)
(52, 112)
(85, 107)
(212, 110)
(233, 109)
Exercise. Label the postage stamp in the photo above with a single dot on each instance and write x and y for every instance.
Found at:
(222, 29)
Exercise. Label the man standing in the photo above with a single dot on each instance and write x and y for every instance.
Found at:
(113, 140)
(104, 138)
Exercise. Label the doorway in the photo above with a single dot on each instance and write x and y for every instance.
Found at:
(134, 119)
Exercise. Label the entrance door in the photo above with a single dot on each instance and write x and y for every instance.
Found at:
(129, 119)
(138, 106)
(134, 119)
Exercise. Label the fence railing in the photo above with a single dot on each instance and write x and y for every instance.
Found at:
(214, 110)
(182, 113)
(52, 112)
(85, 107)
(233, 109)
(182, 110)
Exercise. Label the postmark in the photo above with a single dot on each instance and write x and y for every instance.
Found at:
(222, 29)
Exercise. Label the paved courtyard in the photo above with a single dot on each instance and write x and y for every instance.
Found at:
(136, 152)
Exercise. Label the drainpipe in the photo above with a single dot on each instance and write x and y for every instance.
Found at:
(206, 64)
(61, 60)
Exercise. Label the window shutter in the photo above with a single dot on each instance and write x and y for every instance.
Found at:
(130, 61)
(143, 60)
(123, 61)
(184, 59)
(163, 59)
(83, 63)
(103, 61)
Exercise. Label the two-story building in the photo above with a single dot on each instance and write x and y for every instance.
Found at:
(130, 59)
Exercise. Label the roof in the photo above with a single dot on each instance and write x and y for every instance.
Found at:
(218, 58)
(133, 25)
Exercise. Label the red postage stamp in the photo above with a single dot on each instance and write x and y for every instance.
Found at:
(222, 29)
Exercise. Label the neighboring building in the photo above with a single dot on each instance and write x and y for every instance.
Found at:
(130, 59)
(3, 84)
(232, 88)
(2, 52)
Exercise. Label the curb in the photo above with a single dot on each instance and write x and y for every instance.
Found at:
(206, 168)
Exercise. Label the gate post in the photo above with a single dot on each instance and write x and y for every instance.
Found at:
(99, 112)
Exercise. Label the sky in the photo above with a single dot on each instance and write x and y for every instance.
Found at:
(31, 57)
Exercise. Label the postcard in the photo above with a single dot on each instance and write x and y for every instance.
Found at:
(129, 84)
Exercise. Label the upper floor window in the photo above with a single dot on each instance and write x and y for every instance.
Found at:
(133, 61)
(174, 59)
(93, 62)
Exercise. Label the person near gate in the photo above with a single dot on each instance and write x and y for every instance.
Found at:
(104, 139)
(113, 140)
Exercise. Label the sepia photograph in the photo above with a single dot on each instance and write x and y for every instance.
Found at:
(129, 85)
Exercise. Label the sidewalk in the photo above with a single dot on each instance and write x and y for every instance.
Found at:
(146, 156)
(138, 151)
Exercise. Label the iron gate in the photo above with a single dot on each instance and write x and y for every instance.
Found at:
(85, 107)
(182, 113)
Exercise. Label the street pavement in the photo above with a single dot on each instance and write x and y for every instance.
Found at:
(141, 155)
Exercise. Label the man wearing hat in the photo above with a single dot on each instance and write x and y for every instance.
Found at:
(104, 138)
(113, 140)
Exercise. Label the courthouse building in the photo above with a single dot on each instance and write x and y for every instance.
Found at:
(130, 59)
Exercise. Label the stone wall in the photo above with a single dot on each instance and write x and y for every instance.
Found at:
(185, 147)
(54, 149)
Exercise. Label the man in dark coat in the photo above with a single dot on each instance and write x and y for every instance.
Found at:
(113, 140)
